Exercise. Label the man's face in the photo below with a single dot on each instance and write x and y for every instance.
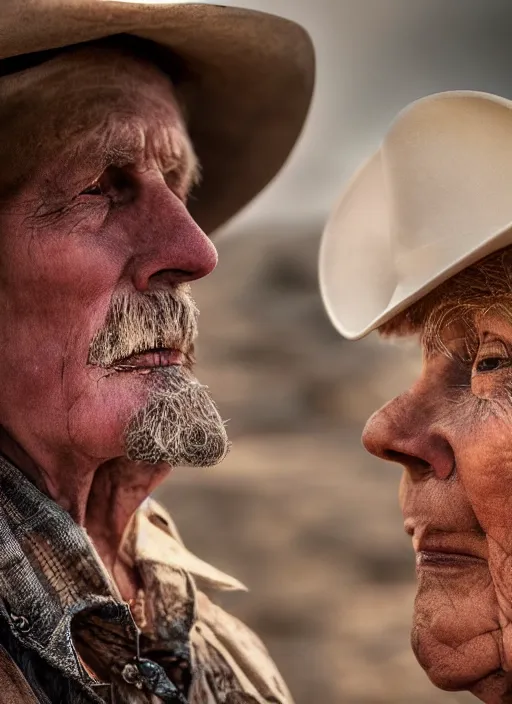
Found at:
(96, 251)
(452, 432)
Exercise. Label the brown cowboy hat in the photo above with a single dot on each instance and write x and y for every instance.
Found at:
(249, 77)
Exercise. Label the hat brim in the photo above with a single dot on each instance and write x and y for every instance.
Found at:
(251, 78)
(362, 281)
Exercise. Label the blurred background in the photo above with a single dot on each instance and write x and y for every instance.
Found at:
(298, 511)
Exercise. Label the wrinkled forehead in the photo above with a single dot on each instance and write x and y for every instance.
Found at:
(55, 106)
(481, 291)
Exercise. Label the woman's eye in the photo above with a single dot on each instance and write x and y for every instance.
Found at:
(491, 364)
(94, 189)
(492, 355)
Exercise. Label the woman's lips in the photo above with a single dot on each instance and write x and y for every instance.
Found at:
(151, 359)
(426, 559)
(450, 550)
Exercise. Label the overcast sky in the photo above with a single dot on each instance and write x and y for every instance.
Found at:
(374, 57)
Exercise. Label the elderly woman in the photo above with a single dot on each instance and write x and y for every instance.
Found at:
(420, 245)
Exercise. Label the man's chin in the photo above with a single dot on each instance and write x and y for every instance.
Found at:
(179, 424)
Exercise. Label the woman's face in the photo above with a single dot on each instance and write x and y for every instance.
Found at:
(452, 433)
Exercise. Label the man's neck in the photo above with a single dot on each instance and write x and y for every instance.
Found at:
(102, 498)
(118, 489)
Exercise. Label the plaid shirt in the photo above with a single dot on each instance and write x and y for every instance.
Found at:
(172, 645)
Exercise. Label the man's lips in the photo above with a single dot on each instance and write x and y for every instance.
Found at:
(151, 359)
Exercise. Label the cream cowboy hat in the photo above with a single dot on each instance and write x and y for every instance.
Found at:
(434, 199)
(250, 80)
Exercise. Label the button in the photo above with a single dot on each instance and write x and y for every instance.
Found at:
(143, 673)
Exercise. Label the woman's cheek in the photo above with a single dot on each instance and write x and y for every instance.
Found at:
(483, 456)
(493, 386)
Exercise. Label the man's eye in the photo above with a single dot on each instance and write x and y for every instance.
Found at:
(491, 364)
(94, 189)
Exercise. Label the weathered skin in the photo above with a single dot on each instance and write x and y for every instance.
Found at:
(452, 432)
(94, 179)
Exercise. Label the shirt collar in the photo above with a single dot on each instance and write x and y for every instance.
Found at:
(152, 538)
(50, 571)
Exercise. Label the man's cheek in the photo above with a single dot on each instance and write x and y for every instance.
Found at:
(101, 410)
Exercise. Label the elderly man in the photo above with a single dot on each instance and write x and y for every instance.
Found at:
(114, 117)
(421, 244)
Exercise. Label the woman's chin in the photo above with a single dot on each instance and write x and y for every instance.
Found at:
(462, 665)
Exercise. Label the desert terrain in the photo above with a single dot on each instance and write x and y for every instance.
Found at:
(298, 511)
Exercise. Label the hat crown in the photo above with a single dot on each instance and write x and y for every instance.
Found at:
(448, 168)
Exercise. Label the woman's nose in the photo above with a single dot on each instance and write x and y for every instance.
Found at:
(406, 435)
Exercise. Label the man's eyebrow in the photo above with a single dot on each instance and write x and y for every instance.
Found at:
(98, 152)
(183, 158)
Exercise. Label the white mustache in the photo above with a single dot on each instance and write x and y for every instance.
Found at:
(136, 323)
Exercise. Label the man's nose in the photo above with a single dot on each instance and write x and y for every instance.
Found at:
(169, 246)
(409, 436)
